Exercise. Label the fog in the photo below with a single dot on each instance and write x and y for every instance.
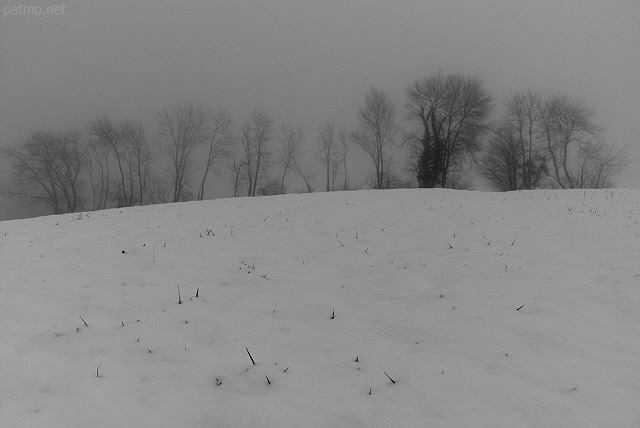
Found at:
(305, 62)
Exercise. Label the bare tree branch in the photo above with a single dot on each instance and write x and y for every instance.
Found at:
(186, 127)
(377, 132)
(221, 141)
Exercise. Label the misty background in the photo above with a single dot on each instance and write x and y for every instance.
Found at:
(306, 62)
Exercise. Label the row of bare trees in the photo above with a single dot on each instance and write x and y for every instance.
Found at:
(539, 141)
(551, 141)
(115, 164)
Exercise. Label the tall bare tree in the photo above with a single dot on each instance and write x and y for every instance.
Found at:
(98, 168)
(185, 127)
(47, 167)
(255, 136)
(291, 149)
(501, 164)
(104, 142)
(111, 139)
(126, 141)
(453, 112)
(136, 155)
(327, 151)
(307, 176)
(414, 144)
(221, 141)
(599, 163)
(515, 157)
(521, 112)
(568, 129)
(343, 138)
(236, 166)
(377, 131)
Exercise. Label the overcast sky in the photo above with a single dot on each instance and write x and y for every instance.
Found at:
(307, 61)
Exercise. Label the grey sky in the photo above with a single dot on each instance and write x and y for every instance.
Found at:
(308, 61)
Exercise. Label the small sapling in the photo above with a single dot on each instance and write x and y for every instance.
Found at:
(392, 381)
(333, 314)
(98, 370)
(85, 323)
(179, 299)
(252, 360)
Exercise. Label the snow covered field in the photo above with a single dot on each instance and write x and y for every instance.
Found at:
(486, 309)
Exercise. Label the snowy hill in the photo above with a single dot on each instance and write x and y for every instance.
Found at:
(486, 309)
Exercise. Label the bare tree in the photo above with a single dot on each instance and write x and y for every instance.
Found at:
(47, 167)
(501, 163)
(307, 177)
(255, 135)
(136, 154)
(514, 159)
(221, 141)
(186, 127)
(109, 137)
(452, 111)
(104, 141)
(343, 137)
(236, 167)
(291, 140)
(579, 156)
(98, 161)
(599, 163)
(326, 151)
(127, 142)
(377, 132)
(159, 191)
(521, 112)
(414, 145)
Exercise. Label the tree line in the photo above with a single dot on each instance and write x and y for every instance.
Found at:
(539, 141)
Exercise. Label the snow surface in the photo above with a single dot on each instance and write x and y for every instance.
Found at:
(425, 285)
